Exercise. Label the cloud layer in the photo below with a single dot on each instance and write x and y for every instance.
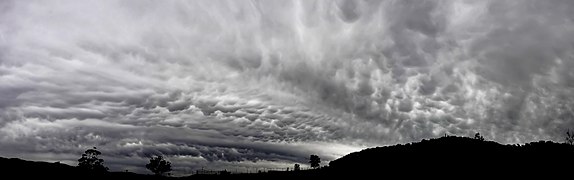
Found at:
(254, 84)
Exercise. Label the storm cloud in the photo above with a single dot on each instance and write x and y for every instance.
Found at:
(253, 84)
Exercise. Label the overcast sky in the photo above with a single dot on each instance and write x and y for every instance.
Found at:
(247, 84)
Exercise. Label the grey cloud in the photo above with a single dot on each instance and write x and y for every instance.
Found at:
(127, 142)
(246, 82)
(523, 42)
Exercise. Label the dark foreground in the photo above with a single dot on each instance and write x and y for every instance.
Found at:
(445, 157)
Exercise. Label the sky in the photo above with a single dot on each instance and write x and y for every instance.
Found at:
(242, 85)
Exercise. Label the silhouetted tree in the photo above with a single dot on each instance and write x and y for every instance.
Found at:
(91, 162)
(478, 136)
(570, 137)
(314, 160)
(158, 165)
(297, 167)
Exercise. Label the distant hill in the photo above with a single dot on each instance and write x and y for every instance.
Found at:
(449, 156)
(23, 169)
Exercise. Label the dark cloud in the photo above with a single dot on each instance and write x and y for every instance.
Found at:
(264, 84)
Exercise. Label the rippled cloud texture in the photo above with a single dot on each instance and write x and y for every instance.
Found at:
(244, 84)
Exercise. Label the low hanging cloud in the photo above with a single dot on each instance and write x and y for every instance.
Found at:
(252, 84)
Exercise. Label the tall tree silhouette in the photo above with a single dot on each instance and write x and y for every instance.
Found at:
(91, 162)
(297, 167)
(158, 165)
(570, 137)
(314, 160)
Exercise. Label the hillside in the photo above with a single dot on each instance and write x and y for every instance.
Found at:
(23, 169)
(459, 155)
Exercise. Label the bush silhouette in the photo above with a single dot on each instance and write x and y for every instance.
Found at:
(477, 136)
(158, 165)
(90, 161)
(314, 160)
(569, 137)
(297, 167)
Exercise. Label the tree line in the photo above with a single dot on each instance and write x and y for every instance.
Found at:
(160, 166)
(91, 162)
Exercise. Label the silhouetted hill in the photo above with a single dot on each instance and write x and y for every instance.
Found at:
(23, 169)
(442, 157)
(459, 155)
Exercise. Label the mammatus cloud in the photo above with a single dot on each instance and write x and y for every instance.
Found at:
(251, 84)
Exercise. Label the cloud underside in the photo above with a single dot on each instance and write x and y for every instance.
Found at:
(264, 84)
